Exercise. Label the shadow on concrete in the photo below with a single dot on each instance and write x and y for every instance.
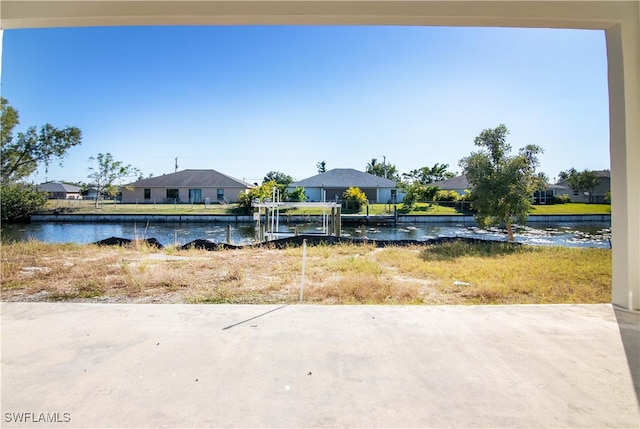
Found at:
(629, 325)
(254, 317)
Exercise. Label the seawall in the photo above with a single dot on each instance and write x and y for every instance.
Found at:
(451, 219)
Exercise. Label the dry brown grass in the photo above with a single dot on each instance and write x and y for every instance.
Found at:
(338, 274)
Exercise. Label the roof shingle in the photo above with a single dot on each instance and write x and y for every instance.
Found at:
(59, 187)
(192, 178)
(343, 177)
(458, 182)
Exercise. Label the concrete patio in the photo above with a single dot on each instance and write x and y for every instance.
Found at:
(113, 365)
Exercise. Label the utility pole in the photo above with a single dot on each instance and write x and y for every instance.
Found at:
(384, 165)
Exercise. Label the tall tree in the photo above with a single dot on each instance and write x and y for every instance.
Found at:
(21, 155)
(502, 183)
(581, 181)
(9, 118)
(587, 182)
(415, 192)
(278, 177)
(106, 172)
(280, 180)
(388, 171)
(322, 167)
(564, 175)
(426, 175)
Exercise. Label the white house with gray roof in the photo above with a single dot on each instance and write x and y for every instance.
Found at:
(460, 184)
(60, 191)
(335, 182)
(187, 186)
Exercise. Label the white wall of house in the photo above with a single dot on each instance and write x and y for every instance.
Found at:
(313, 194)
(382, 195)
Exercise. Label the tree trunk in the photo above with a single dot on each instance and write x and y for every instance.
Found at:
(509, 232)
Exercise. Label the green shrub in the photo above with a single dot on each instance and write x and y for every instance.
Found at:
(355, 197)
(260, 193)
(561, 199)
(296, 195)
(19, 200)
(446, 196)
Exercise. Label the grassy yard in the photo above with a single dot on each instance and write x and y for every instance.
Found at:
(109, 207)
(435, 209)
(572, 209)
(418, 209)
(450, 273)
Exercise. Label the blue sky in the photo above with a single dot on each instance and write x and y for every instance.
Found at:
(246, 100)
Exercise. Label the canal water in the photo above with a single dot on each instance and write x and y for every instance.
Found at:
(574, 234)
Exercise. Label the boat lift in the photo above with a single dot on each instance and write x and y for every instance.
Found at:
(270, 209)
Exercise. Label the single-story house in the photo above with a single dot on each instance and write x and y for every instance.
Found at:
(187, 186)
(61, 191)
(90, 193)
(335, 182)
(547, 195)
(599, 191)
(460, 184)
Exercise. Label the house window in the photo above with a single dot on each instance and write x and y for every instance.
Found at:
(173, 195)
(147, 194)
(195, 195)
(576, 192)
(220, 194)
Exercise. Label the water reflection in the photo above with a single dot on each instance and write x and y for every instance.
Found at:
(580, 234)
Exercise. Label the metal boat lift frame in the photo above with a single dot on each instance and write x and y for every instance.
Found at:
(331, 217)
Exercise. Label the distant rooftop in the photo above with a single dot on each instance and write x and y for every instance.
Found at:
(193, 178)
(458, 182)
(59, 187)
(340, 177)
(600, 173)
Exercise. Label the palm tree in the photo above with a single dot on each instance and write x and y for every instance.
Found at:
(373, 166)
